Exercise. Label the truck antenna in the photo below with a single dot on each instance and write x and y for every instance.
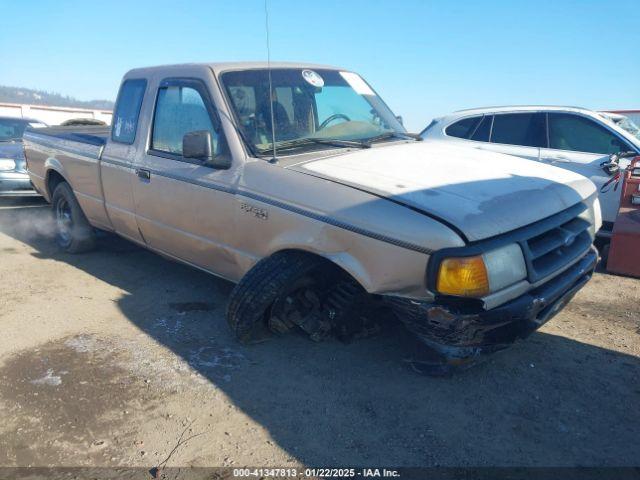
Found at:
(273, 123)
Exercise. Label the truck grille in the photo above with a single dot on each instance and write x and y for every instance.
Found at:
(555, 242)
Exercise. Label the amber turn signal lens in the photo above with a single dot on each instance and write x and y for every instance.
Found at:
(466, 277)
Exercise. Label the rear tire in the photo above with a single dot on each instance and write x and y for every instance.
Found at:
(74, 234)
(272, 277)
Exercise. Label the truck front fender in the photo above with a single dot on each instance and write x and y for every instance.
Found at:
(379, 267)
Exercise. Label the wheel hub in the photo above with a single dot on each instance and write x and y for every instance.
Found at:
(64, 221)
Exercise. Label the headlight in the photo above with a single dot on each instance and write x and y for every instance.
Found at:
(7, 164)
(483, 274)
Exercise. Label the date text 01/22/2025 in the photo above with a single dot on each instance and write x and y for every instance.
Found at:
(315, 472)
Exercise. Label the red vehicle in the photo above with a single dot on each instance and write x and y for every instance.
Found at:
(625, 240)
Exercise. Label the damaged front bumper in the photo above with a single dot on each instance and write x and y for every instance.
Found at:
(459, 335)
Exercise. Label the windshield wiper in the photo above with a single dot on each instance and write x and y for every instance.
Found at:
(387, 135)
(335, 142)
(317, 141)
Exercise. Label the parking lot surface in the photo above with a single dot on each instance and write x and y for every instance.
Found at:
(107, 358)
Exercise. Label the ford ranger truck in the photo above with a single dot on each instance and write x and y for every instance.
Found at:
(299, 184)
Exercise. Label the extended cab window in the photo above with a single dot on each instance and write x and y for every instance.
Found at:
(525, 129)
(125, 118)
(179, 110)
(579, 134)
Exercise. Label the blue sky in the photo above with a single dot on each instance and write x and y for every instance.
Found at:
(425, 58)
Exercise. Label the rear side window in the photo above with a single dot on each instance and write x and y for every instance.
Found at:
(579, 134)
(525, 129)
(483, 130)
(463, 128)
(125, 119)
(179, 110)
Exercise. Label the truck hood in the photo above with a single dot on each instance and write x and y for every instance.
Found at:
(482, 194)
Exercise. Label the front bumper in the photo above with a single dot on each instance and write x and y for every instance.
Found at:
(13, 184)
(458, 336)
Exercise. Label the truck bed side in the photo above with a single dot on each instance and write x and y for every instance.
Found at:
(71, 154)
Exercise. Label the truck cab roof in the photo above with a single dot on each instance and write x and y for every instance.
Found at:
(219, 67)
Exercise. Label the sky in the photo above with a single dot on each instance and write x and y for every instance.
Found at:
(425, 58)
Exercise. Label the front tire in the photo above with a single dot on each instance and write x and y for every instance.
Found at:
(270, 279)
(74, 234)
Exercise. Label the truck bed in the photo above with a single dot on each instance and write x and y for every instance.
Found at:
(77, 141)
(77, 151)
(92, 135)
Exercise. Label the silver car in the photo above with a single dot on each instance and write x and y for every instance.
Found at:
(14, 179)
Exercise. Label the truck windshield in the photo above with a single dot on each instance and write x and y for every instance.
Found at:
(308, 108)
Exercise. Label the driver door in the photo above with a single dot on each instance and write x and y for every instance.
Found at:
(183, 207)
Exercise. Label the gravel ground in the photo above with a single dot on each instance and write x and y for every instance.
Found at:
(106, 358)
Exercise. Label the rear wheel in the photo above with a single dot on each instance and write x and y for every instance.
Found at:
(74, 234)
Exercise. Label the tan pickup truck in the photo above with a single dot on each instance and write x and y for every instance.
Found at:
(298, 183)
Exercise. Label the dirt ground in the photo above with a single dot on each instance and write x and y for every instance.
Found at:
(106, 358)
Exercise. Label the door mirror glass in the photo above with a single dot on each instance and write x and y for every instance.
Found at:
(197, 145)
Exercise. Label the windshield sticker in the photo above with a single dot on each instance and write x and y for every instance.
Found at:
(313, 78)
(357, 83)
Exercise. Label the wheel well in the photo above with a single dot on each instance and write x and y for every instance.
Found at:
(53, 180)
(329, 263)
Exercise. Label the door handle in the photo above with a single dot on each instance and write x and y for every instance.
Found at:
(143, 173)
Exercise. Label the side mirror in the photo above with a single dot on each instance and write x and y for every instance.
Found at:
(400, 120)
(199, 145)
(612, 166)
